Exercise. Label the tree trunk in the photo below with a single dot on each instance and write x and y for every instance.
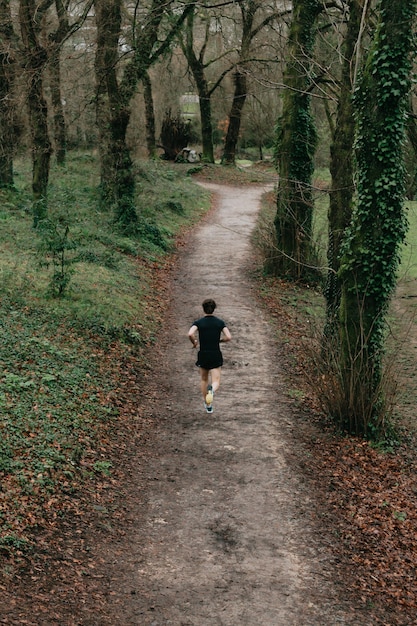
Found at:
(341, 169)
(7, 80)
(36, 59)
(206, 124)
(235, 118)
(113, 99)
(248, 10)
(41, 147)
(60, 133)
(197, 67)
(150, 115)
(113, 114)
(6, 126)
(296, 142)
(370, 261)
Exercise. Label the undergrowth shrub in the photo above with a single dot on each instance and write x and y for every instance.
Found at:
(351, 400)
(265, 239)
(175, 135)
(152, 233)
(55, 247)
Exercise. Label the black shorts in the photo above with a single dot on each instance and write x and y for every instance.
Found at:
(209, 360)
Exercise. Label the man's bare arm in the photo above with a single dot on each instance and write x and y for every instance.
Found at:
(226, 335)
(191, 335)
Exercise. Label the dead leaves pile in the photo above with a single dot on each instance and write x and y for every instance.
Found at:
(371, 500)
(366, 497)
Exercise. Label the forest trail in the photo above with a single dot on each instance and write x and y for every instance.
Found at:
(228, 537)
(206, 520)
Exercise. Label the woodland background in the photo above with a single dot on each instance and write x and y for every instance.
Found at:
(97, 102)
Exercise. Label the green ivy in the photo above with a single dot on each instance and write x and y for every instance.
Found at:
(371, 247)
(295, 146)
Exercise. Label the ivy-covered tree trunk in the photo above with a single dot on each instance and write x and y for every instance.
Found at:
(295, 148)
(60, 131)
(114, 96)
(6, 128)
(342, 170)
(41, 146)
(371, 251)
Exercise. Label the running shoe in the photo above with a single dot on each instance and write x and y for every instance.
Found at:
(210, 395)
(208, 407)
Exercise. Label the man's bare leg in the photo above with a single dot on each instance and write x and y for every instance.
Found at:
(215, 378)
(215, 384)
(204, 381)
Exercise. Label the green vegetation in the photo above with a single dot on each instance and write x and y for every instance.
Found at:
(372, 242)
(408, 266)
(296, 143)
(70, 293)
(301, 310)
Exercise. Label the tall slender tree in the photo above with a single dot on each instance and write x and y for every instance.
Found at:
(371, 251)
(198, 67)
(36, 58)
(56, 39)
(248, 9)
(117, 180)
(8, 114)
(251, 29)
(35, 55)
(342, 166)
(59, 126)
(149, 115)
(295, 148)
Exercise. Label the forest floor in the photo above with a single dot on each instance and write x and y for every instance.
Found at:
(254, 515)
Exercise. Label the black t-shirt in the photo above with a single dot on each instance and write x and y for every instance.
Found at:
(209, 331)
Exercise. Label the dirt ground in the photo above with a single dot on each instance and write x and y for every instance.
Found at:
(216, 524)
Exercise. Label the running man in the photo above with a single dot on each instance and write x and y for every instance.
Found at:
(211, 332)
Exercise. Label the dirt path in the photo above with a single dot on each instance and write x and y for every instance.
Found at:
(228, 537)
(208, 520)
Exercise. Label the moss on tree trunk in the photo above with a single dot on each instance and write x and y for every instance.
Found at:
(113, 114)
(60, 131)
(371, 250)
(36, 59)
(342, 170)
(295, 147)
(235, 117)
(150, 115)
(8, 71)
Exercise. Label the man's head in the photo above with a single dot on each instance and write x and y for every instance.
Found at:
(209, 306)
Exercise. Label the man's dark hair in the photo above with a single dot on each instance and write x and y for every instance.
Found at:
(209, 306)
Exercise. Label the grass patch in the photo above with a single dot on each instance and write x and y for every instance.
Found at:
(110, 272)
(59, 363)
